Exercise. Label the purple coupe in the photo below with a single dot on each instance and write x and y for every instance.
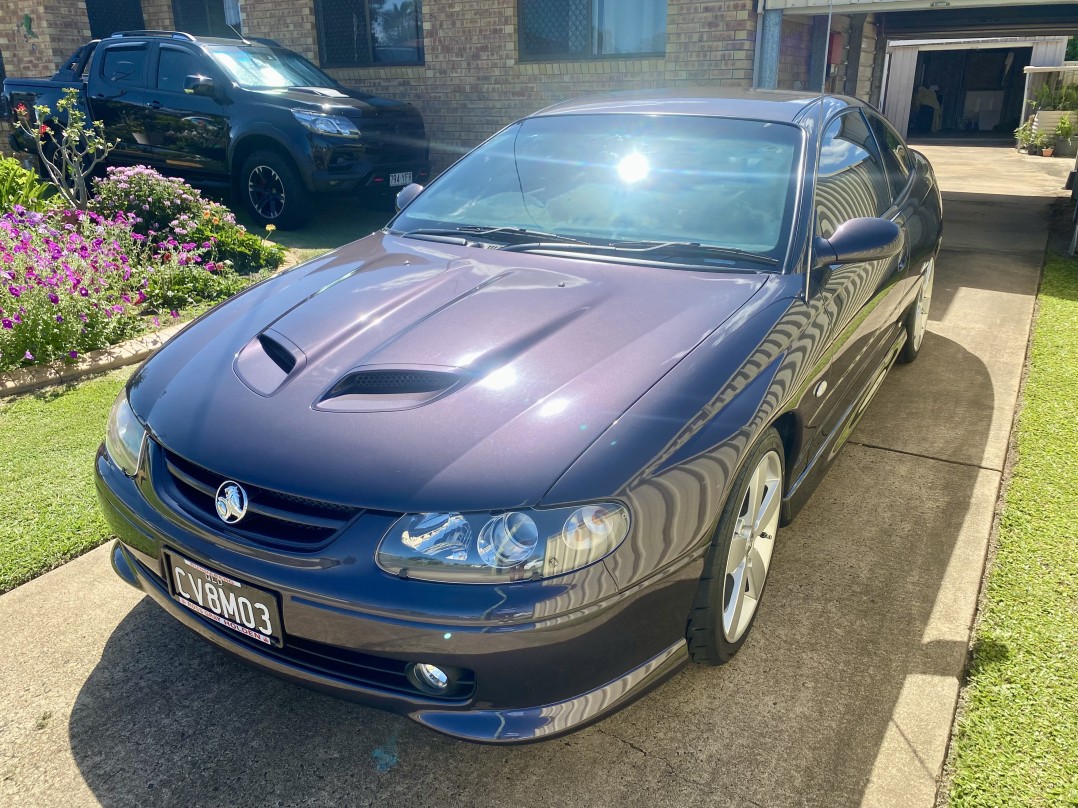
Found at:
(510, 462)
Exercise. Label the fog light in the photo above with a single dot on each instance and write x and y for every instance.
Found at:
(430, 678)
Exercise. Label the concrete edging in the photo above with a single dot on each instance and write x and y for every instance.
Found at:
(25, 380)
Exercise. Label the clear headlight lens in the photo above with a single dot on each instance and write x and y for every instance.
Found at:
(124, 436)
(509, 546)
(326, 124)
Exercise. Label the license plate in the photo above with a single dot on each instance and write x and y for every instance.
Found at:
(404, 178)
(237, 606)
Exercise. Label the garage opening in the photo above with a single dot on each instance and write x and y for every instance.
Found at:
(968, 93)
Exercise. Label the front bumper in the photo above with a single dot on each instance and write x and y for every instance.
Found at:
(535, 677)
(344, 168)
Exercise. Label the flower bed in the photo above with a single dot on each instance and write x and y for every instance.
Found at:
(75, 281)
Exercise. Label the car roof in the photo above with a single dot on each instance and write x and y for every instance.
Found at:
(780, 106)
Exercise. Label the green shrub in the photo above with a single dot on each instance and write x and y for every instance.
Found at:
(183, 286)
(174, 213)
(21, 187)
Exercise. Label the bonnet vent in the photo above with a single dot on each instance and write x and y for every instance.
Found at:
(371, 389)
(278, 353)
(268, 361)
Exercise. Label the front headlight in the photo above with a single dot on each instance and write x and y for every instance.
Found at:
(124, 436)
(326, 124)
(510, 546)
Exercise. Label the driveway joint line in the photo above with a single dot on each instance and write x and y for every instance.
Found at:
(925, 456)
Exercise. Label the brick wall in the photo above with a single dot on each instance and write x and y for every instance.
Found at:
(157, 14)
(473, 82)
(290, 22)
(59, 29)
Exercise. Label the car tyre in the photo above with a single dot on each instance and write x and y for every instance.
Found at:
(736, 566)
(917, 318)
(273, 192)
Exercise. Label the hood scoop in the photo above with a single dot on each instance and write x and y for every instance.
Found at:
(377, 389)
(268, 361)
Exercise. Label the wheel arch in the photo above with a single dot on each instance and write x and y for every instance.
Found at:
(255, 142)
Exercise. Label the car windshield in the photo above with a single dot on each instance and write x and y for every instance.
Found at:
(256, 66)
(622, 179)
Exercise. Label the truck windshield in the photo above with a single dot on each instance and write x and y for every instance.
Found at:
(258, 66)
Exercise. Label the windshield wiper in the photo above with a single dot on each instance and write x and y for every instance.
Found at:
(669, 249)
(458, 235)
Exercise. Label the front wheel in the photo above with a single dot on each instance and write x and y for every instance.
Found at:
(273, 192)
(737, 564)
(917, 319)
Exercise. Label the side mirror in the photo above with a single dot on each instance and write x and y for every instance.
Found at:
(198, 85)
(408, 194)
(858, 241)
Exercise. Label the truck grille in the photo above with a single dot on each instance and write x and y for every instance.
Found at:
(274, 518)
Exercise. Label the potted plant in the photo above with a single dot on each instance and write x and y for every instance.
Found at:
(1064, 137)
(1046, 142)
(1024, 135)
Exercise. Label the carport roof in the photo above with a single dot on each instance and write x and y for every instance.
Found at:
(908, 19)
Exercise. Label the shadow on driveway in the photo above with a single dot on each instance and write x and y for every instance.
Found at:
(799, 717)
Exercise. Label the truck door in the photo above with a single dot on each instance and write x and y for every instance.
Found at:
(116, 92)
(192, 130)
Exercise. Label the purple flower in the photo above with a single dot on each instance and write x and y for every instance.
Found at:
(59, 318)
(83, 317)
(7, 323)
(84, 291)
(73, 354)
(15, 291)
(28, 356)
(175, 314)
(53, 298)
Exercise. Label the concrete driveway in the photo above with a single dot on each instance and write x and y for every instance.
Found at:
(844, 695)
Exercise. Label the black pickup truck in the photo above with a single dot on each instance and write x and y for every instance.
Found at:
(251, 114)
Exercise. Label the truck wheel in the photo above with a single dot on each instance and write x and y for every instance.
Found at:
(273, 192)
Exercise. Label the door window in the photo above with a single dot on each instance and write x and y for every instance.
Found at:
(125, 65)
(173, 66)
(895, 154)
(852, 182)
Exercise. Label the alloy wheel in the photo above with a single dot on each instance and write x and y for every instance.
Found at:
(922, 306)
(266, 191)
(749, 555)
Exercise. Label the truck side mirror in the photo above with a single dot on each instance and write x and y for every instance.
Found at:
(198, 85)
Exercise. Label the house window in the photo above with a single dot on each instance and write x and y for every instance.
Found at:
(358, 33)
(586, 29)
(106, 17)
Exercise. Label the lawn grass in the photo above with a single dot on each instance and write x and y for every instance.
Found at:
(1016, 741)
(48, 508)
(334, 221)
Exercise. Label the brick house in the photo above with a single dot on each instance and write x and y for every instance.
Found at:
(471, 66)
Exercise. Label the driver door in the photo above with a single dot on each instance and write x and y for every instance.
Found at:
(860, 300)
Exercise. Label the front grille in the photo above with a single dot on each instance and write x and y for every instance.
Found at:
(274, 518)
(387, 139)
